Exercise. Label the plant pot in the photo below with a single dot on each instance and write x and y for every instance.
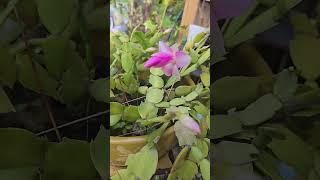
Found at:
(121, 147)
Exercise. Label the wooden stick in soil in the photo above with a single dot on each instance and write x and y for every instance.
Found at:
(38, 81)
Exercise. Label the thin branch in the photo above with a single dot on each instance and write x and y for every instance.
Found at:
(73, 122)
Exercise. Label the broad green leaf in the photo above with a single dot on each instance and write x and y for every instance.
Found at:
(290, 149)
(98, 149)
(147, 110)
(225, 125)
(147, 158)
(29, 79)
(177, 101)
(9, 31)
(155, 95)
(285, 85)
(127, 62)
(156, 71)
(267, 164)
(114, 119)
(193, 95)
(203, 146)
(123, 174)
(185, 135)
(96, 19)
(183, 90)
(74, 81)
(204, 57)
(57, 55)
(99, 89)
(55, 14)
(116, 108)
(302, 24)
(225, 152)
(195, 154)
(235, 92)
(143, 89)
(205, 169)
(187, 171)
(5, 103)
(27, 173)
(131, 113)
(154, 137)
(8, 70)
(304, 51)
(20, 149)
(163, 104)
(156, 81)
(78, 164)
(171, 81)
(260, 111)
(205, 78)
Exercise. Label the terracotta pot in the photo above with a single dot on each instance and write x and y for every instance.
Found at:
(121, 147)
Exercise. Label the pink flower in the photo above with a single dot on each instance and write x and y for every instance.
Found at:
(190, 123)
(170, 59)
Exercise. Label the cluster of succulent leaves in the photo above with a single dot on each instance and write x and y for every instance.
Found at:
(28, 157)
(49, 52)
(268, 123)
(160, 96)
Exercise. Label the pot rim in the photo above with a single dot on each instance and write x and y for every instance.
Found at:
(142, 138)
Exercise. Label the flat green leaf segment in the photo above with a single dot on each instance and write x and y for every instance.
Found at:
(25, 154)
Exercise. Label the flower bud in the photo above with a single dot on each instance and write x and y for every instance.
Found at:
(191, 124)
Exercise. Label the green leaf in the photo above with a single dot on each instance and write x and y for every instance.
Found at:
(20, 149)
(205, 169)
(185, 135)
(156, 71)
(29, 79)
(131, 113)
(147, 158)
(156, 81)
(143, 89)
(99, 89)
(304, 51)
(195, 154)
(183, 90)
(155, 95)
(5, 103)
(177, 101)
(267, 164)
(188, 171)
(57, 55)
(147, 110)
(75, 81)
(9, 31)
(225, 125)
(240, 91)
(260, 111)
(98, 149)
(127, 62)
(243, 154)
(171, 81)
(28, 173)
(123, 174)
(290, 149)
(285, 85)
(78, 165)
(193, 95)
(302, 24)
(203, 146)
(8, 70)
(204, 57)
(205, 78)
(55, 14)
(163, 104)
(114, 119)
(96, 19)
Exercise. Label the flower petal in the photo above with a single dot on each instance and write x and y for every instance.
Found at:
(163, 47)
(168, 69)
(224, 9)
(174, 47)
(191, 124)
(182, 59)
(158, 59)
(175, 70)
